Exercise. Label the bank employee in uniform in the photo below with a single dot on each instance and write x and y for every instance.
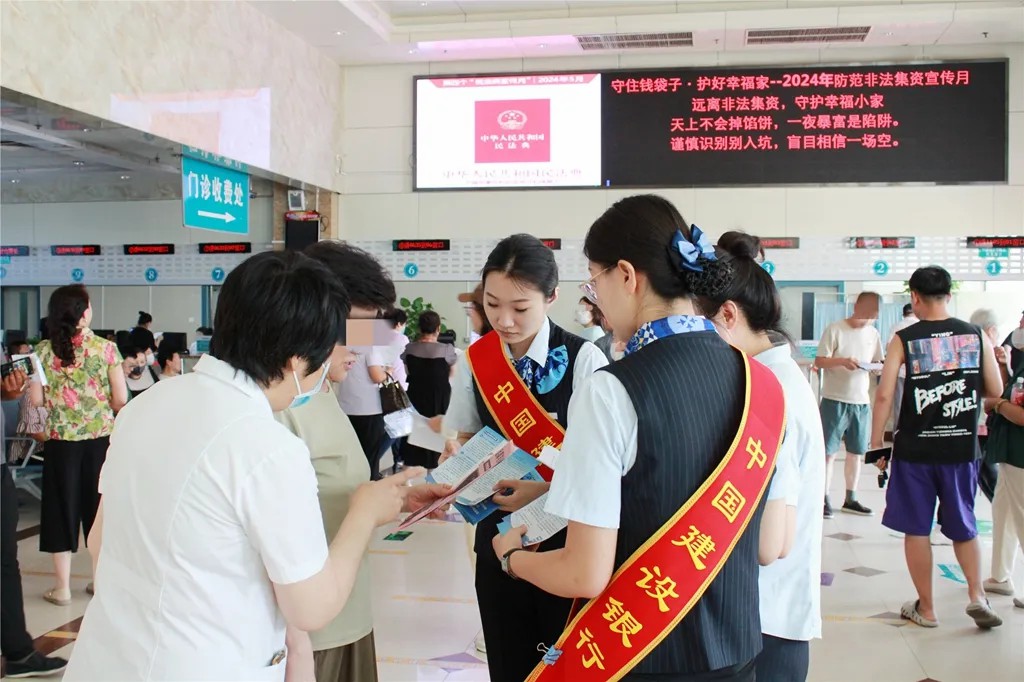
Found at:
(747, 313)
(682, 419)
(518, 380)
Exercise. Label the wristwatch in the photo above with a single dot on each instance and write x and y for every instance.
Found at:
(506, 566)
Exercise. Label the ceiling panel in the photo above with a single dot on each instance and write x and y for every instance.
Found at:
(415, 8)
(511, 7)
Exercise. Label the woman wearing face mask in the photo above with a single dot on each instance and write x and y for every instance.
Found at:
(747, 314)
(1014, 346)
(213, 546)
(526, 364)
(682, 415)
(138, 374)
(590, 318)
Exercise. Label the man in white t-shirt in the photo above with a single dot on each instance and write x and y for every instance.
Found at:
(845, 352)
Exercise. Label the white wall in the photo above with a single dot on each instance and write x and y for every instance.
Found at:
(377, 152)
(122, 222)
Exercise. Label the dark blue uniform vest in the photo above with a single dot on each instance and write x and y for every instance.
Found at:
(688, 393)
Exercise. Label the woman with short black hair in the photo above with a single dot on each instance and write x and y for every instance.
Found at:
(141, 336)
(672, 587)
(214, 542)
(528, 353)
(428, 364)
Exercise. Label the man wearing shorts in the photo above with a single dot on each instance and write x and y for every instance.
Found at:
(950, 367)
(847, 347)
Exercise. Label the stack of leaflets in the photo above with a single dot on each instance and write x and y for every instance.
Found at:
(472, 474)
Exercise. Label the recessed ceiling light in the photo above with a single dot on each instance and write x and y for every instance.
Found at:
(412, 51)
(542, 46)
(126, 177)
(79, 163)
(86, 130)
(423, 4)
(888, 33)
(339, 33)
(15, 181)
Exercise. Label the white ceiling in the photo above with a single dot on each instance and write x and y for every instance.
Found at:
(394, 31)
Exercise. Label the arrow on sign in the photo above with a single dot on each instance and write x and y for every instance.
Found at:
(952, 573)
(225, 216)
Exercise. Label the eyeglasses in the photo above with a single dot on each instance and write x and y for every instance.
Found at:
(589, 287)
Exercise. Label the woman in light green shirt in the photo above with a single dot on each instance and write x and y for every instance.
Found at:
(344, 650)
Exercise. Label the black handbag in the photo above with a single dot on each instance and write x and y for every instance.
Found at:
(393, 397)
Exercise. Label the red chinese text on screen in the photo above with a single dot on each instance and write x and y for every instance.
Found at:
(883, 78)
(513, 131)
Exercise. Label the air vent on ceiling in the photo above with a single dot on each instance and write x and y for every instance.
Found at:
(634, 41)
(828, 34)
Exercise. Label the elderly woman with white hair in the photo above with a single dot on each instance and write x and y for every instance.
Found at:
(986, 320)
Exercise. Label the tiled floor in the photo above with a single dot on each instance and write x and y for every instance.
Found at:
(427, 620)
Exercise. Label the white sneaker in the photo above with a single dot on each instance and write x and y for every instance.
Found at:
(983, 615)
(481, 645)
(1004, 588)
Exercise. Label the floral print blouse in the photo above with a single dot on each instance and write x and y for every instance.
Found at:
(77, 396)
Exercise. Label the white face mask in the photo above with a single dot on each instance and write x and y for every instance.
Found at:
(1017, 338)
(150, 359)
(584, 317)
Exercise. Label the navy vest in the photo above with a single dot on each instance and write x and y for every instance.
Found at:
(688, 393)
(555, 402)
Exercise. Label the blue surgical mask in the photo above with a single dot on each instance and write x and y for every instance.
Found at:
(303, 398)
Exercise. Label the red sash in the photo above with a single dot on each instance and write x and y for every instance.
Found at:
(520, 417)
(664, 578)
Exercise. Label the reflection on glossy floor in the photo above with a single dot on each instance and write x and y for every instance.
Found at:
(427, 620)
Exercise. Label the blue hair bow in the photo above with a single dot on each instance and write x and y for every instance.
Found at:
(687, 253)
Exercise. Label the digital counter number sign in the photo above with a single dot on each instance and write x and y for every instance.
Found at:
(421, 245)
(75, 250)
(553, 244)
(225, 247)
(780, 242)
(882, 242)
(20, 250)
(939, 122)
(148, 249)
(995, 242)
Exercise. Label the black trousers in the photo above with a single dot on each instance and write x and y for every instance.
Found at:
(71, 478)
(517, 618)
(736, 673)
(783, 660)
(373, 438)
(988, 473)
(15, 642)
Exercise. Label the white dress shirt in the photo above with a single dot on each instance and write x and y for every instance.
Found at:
(600, 448)
(790, 588)
(462, 415)
(207, 502)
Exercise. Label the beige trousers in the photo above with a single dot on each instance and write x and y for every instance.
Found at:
(1007, 521)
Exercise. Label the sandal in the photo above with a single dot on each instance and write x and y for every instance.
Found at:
(910, 612)
(983, 615)
(52, 598)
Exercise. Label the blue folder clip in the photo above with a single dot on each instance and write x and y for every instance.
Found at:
(551, 656)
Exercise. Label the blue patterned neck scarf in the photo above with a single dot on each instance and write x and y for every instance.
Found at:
(665, 327)
(543, 379)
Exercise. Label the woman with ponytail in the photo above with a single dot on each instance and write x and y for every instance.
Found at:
(747, 313)
(85, 388)
(663, 472)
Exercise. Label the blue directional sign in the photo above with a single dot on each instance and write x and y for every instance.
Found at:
(411, 270)
(993, 267)
(77, 275)
(880, 268)
(769, 267)
(217, 275)
(151, 275)
(214, 197)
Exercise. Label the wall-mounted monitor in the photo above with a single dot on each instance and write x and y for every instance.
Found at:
(941, 122)
(508, 131)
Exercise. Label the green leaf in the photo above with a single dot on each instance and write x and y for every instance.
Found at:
(404, 303)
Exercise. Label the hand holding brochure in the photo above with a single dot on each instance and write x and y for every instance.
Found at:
(540, 525)
(473, 472)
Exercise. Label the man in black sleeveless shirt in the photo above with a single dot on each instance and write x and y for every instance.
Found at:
(950, 367)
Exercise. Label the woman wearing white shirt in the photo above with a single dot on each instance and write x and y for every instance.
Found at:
(645, 434)
(542, 366)
(209, 542)
(745, 312)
